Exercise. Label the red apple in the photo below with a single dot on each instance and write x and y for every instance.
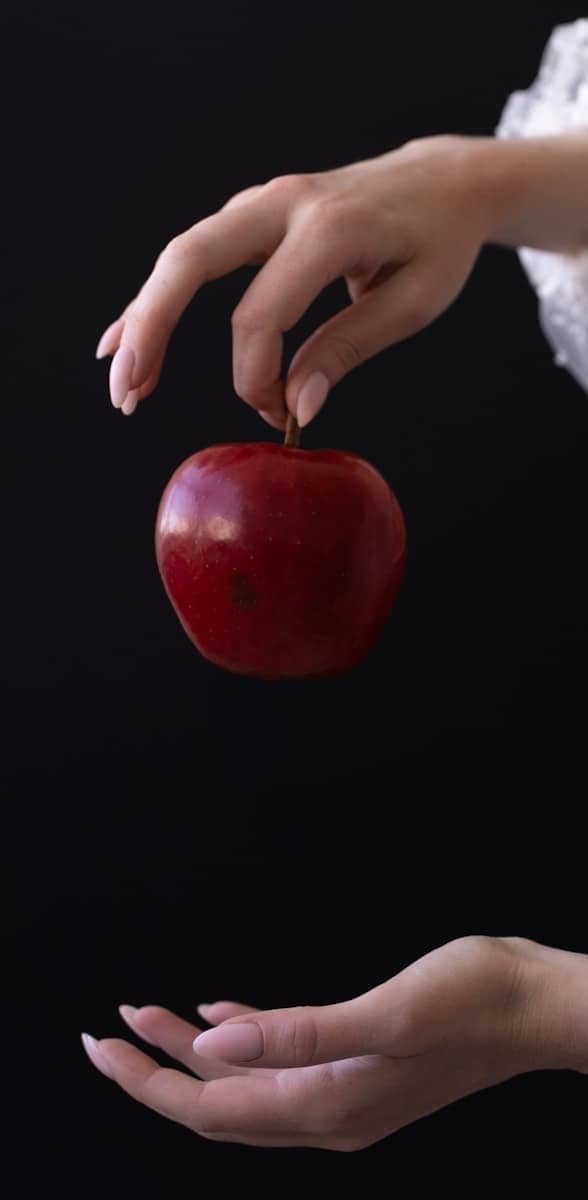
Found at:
(280, 563)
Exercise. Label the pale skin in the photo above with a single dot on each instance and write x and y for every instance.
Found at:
(404, 230)
(341, 1077)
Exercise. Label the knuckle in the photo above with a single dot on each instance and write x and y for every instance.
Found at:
(177, 248)
(247, 320)
(288, 187)
(500, 960)
(345, 352)
(243, 194)
(301, 1038)
(517, 943)
(479, 944)
(279, 185)
(334, 215)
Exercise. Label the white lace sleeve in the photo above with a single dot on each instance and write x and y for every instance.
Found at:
(555, 102)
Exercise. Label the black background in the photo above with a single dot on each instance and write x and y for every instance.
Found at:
(176, 834)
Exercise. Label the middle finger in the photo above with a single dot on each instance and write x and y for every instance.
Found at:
(170, 1033)
(248, 1107)
(309, 258)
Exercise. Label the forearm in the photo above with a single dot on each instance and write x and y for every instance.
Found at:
(534, 191)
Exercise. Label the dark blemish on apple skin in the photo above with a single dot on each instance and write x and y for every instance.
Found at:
(243, 592)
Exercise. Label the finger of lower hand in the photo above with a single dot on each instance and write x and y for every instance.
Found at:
(170, 1033)
(246, 1105)
(222, 1010)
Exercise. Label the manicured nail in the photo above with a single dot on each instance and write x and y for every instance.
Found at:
(231, 1043)
(127, 1012)
(311, 397)
(129, 405)
(121, 371)
(106, 344)
(95, 1054)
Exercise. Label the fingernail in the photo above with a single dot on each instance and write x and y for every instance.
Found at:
(311, 397)
(127, 1012)
(232, 1043)
(129, 405)
(204, 1010)
(95, 1054)
(105, 346)
(121, 371)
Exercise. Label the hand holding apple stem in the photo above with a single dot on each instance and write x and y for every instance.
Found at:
(292, 436)
(403, 229)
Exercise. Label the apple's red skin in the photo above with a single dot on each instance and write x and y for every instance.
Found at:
(280, 563)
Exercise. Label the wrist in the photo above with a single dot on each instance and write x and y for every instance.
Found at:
(532, 191)
(550, 1010)
(491, 180)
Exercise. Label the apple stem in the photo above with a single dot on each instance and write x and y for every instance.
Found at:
(292, 438)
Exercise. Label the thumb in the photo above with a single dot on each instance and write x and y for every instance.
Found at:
(295, 1037)
(392, 311)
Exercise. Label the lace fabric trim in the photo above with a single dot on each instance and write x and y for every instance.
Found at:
(556, 102)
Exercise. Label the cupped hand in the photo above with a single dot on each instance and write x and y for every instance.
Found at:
(341, 1077)
(403, 230)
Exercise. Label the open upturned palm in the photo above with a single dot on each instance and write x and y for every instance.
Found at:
(341, 1076)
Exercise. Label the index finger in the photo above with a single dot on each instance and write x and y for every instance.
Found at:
(236, 236)
(246, 1107)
